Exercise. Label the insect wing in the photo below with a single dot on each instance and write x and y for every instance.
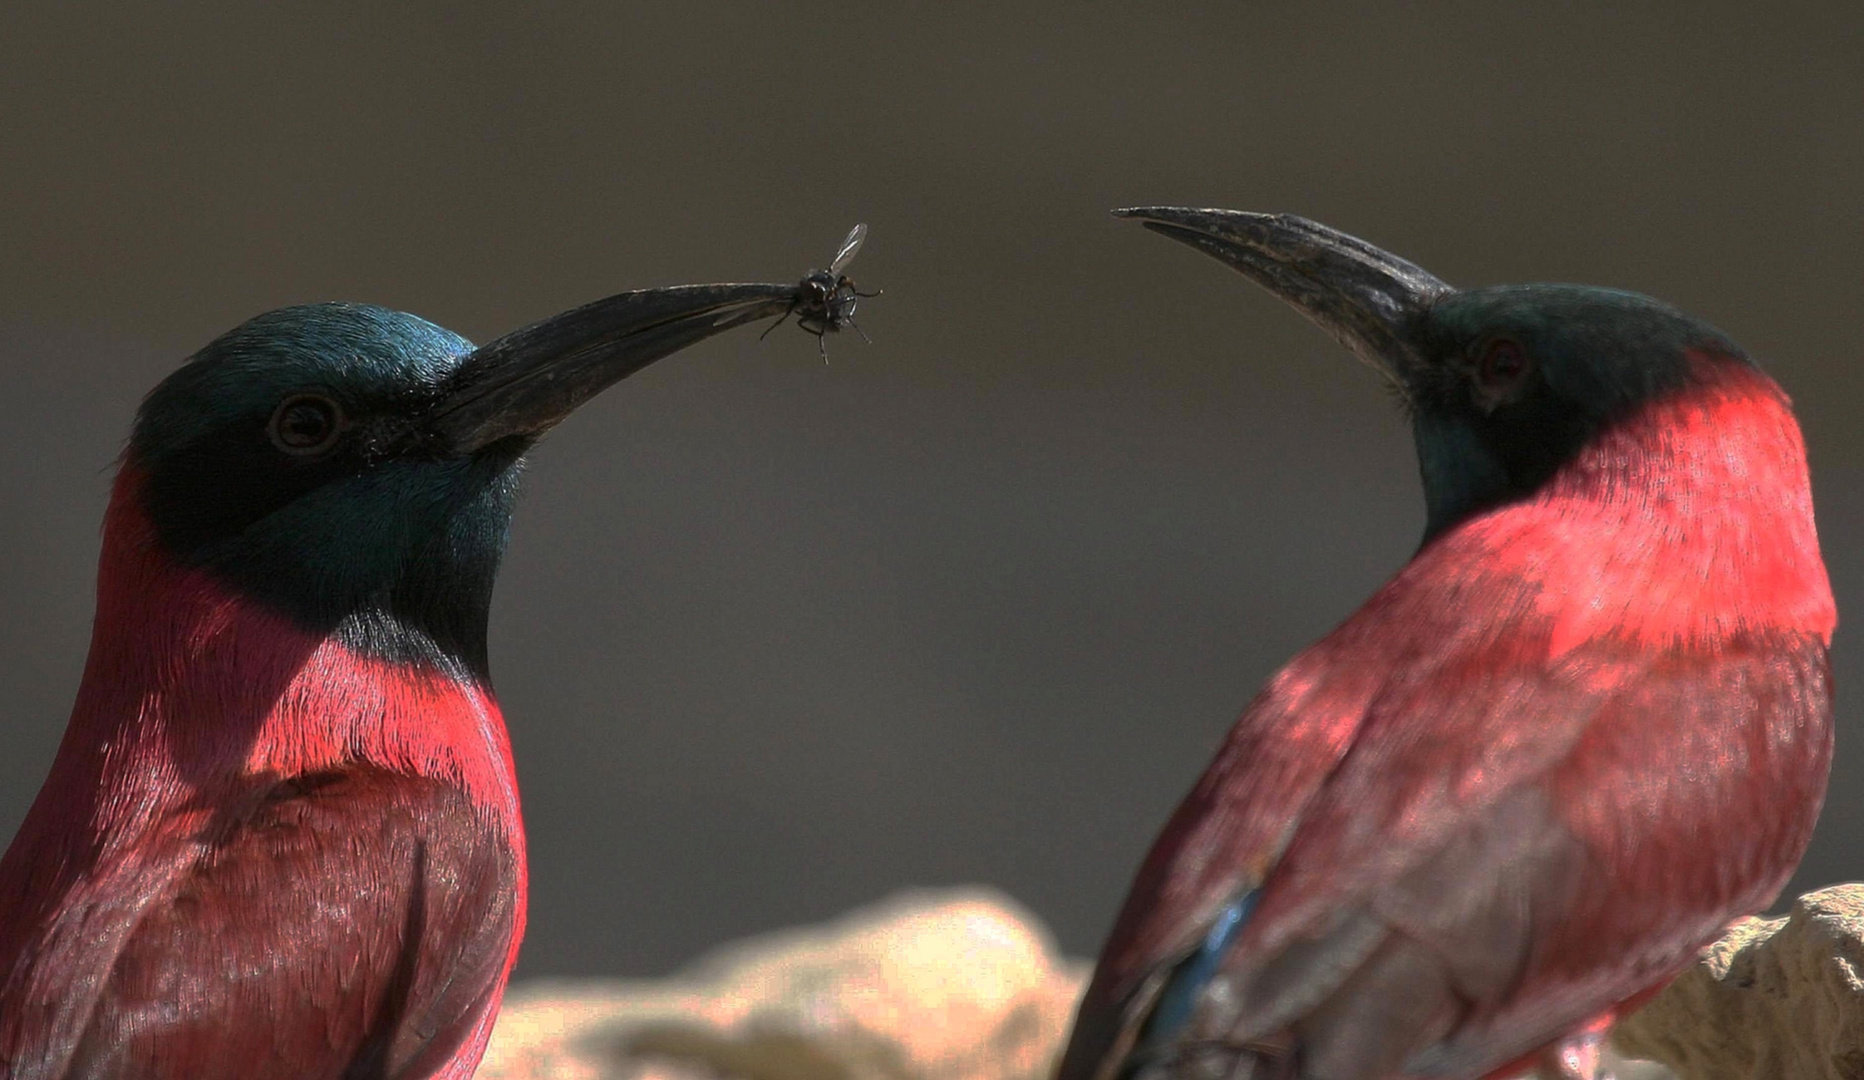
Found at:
(845, 254)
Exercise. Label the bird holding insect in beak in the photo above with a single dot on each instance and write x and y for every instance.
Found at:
(1512, 795)
(281, 837)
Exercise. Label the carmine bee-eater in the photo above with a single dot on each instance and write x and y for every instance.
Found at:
(1511, 796)
(281, 839)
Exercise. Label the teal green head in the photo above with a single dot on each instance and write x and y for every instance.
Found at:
(354, 468)
(1504, 384)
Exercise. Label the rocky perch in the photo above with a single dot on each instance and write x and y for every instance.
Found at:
(951, 985)
(1774, 999)
(964, 985)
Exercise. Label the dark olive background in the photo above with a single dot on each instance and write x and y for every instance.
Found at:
(971, 604)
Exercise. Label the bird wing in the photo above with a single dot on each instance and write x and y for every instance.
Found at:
(355, 923)
(1207, 867)
(1508, 846)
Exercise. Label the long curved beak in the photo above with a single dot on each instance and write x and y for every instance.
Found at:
(525, 382)
(1369, 299)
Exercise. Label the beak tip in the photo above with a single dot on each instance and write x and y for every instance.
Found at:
(1148, 214)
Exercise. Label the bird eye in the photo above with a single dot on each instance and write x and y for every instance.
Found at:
(306, 424)
(1504, 366)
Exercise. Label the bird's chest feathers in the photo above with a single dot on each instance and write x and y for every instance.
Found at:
(1685, 524)
(192, 688)
(340, 707)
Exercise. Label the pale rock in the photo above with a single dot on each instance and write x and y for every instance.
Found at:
(965, 985)
(954, 985)
(1774, 999)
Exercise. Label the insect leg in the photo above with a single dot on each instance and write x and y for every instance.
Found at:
(780, 321)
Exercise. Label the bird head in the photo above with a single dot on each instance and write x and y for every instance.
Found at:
(353, 468)
(1505, 385)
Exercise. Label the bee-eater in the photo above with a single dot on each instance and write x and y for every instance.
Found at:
(1514, 793)
(280, 839)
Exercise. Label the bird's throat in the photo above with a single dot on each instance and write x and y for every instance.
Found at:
(190, 686)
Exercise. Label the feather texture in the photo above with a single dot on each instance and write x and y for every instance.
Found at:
(1521, 786)
(259, 854)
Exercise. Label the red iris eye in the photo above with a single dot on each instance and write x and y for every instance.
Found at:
(1504, 365)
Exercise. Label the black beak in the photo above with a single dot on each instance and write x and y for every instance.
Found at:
(1370, 300)
(526, 381)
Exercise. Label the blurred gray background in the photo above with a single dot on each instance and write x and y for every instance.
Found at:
(975, 602)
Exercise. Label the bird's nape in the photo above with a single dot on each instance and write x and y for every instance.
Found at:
(1505, 385)
(1461, 834)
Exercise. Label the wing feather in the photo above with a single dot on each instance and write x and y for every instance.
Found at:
(347, 925)
(1503, 847)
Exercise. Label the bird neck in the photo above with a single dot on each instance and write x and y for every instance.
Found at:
(1687, 521)
(191, 687)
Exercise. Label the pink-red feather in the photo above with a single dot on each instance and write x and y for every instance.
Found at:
(1526, 781)
(323, 850)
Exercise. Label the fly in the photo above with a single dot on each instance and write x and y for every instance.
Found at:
(825, 299)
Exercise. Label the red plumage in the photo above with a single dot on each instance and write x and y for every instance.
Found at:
(259, 854)
(1523, 784)
(281, 837)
